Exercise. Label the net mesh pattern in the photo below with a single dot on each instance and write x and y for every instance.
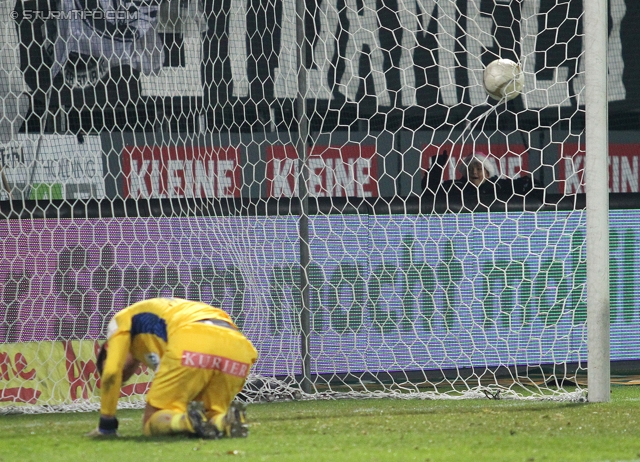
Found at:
(312, 168)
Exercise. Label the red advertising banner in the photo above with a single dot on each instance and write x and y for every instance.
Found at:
(181, 171)
(334, 171)
(624, 171)
(511, 159)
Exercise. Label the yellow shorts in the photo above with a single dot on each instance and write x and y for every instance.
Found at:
(202, 362)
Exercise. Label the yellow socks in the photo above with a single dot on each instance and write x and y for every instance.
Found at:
(166, 423)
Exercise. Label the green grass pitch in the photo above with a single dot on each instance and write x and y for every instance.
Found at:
(357, 430)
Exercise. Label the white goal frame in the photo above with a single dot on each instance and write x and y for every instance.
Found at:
(596, 16)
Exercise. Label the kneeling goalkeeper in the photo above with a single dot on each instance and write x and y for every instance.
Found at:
(200, 359)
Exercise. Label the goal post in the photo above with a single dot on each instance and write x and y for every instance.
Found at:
(335, 176)
(597, 195)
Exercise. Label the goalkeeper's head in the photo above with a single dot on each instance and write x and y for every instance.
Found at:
(130, 365)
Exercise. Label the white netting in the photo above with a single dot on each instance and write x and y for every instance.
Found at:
(156, 148)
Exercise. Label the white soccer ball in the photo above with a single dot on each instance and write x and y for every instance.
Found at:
(503, 78)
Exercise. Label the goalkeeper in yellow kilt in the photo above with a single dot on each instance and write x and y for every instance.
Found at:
(201, 361)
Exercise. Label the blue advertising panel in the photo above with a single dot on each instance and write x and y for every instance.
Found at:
(388, 292)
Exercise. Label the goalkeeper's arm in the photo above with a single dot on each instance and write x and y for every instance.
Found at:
(114, 361)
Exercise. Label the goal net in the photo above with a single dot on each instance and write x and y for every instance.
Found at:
(302, 165)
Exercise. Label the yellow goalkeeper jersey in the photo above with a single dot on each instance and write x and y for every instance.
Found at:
(143, 330)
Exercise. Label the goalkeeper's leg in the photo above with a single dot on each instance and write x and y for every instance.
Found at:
(165, 422)
(170, 422)
(226, 414)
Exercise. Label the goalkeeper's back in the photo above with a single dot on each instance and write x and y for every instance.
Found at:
(149, 323)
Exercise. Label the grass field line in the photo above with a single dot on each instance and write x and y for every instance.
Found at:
(377, 430)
